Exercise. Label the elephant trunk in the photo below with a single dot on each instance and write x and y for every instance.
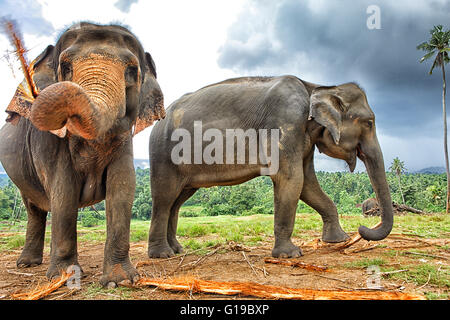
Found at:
(370, 153)
(88, 105)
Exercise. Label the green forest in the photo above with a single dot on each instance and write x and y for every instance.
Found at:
(422, 191)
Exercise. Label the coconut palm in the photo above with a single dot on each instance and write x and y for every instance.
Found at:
(438, 46)
(398, 167)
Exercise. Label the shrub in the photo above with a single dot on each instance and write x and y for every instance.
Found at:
(4, 213)
(218, 209)
(89, 220)
(190, 212)
(261, 209)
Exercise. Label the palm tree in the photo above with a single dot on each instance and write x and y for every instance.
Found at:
(439, 46)
(398, 167)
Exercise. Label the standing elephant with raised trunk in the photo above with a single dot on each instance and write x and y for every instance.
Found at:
(301, 115)
(72, 146)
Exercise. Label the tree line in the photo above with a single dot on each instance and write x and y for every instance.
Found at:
(426, 192)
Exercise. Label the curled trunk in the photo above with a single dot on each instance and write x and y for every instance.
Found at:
(66, 104)
(370, 153)
(88, 105)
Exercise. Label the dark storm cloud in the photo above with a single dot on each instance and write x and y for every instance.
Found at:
(125, 5)
(330, 40)
(28, 14)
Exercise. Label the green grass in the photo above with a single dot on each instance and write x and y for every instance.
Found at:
(200, 246)
(13, 242)
(436, 226)
(364, 263)
(95, 290)
(424, 273)
(226, 228)
(246, 229)
(138, 235)
(437, 296)
(252, 229)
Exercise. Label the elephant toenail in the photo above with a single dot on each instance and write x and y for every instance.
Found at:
(125, 283)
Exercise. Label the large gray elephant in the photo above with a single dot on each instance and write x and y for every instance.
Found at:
(335, 119)
(72, 146)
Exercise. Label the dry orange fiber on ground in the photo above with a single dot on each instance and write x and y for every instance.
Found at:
(191, 284)
(43, 291)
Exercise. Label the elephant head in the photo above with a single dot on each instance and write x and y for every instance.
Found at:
(95, 80)
(347, 132)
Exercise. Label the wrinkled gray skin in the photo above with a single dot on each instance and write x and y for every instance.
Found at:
(94, 161)
(369, 204)
(337, 120)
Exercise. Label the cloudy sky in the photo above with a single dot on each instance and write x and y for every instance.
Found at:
(195, 43)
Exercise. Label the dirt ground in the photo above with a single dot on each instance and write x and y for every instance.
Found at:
(235, 262)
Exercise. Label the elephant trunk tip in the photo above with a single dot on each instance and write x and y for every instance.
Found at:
(378, 232)
(66, 104)
(49, 111)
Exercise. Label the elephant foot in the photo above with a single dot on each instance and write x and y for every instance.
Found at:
(56, 268)
(333, 233)
(175, 245)
(119, 274)
(160, 250)
(286, 249)
(29, 259)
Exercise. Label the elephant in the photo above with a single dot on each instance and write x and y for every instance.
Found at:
(369, 204)
(335, 119)
(71, 147)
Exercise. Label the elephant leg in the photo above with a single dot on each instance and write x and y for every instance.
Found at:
(34, 239)
(287, 191)
(64, 209)
(120, 188)
(313, 195)
(173, 220)
(163, 199)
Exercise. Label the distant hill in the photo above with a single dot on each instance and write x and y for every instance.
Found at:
(432, 170)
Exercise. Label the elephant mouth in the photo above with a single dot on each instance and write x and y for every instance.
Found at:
(351, 162)
(359, 153)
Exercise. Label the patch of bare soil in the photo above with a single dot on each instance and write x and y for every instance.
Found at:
(236, 262)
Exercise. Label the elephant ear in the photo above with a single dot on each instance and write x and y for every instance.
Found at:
(326, 108)
(151, 100)
(43, 76)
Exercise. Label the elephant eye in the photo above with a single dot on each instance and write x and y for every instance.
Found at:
(66, 70)
(131, 75)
